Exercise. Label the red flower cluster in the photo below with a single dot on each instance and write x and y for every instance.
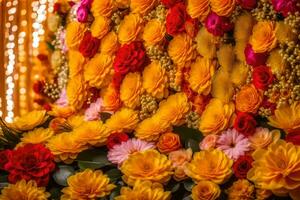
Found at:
(116, 138)
(5, 156)
(30, 162)
(170, 3)
(245, 124)
(262, 77)
(293, 137)
(242, 165)
(89, 45)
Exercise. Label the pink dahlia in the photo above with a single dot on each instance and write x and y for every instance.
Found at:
(233, 144)
(119, 153)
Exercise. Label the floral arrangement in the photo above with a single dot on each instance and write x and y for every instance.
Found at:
(163, 99)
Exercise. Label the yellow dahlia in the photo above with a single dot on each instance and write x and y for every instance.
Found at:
(36, 136)
(211, 165)
(111, 98)
(87, 185)
(75, 121)
(24, 190)
(144, 190)
(241, 189)
(130, 28)
(154, 32)
(123, 120)
(76, 91)
(131, 90)
(147, 165)
(100, 27)
(74, 34)
(102, 8)
(202, 71)
(76, 63)
(205, 190)
(155, 80)
(30, 120)
(109, 44)
(276, 168)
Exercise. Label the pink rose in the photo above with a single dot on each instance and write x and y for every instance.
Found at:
(208, 142)
(254, 59)
(285, 6)
(82, 14)
(217, 25)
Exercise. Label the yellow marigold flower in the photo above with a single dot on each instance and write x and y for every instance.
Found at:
(110, 98)
(144, 190)
(211, 165)
(262, 138)
(173, 109)
(76, 91)
(65, 147)
(154, 32)
(92, 132)
(216, 117)
(142, 6)
(181, 50)
(287, 117)
(130, 28)
(74, 34)
(201, 73)
(102, 8)
(151, 128)
(276, 168)
(155, 80)
(63, 112)
(24, 190)
(248, 99)
(206, 190)
(100, 27)
(98, 70)
(87, 185)
(124, 120)
(263, 37)
(109, 44)
(198, 9)
(30, 120)
(241, 189)
(76, 63)
(131, 90)
(223, 7)
(147, 165)
(36, 136)
(206, 43)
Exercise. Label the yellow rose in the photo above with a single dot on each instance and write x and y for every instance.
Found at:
(76, 91)
(125, 120)
(248, 99)
(98, 70)
(205, 190)
(100, 27)
(102, 8)
(130, 28)
(131, 89)
(110, 98)
(211, 165)
(142, 6)
(216, 117)
(30, 120)
(147, 165)
(109, 44)
(76, 63)
(155, 80)
(181, 50)
(201, 73)
(36, 136)
(198, 9)
(262, 138)
(74, 34)
(223, 7)
(263, 37)
(241, 189)
(154, 32)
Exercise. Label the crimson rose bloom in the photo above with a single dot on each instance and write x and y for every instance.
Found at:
(254, 59)
(130, 58)
(116, 138)
(245, 124)
(170, 3)
(262, 77)
(5, 156)
(89, 45)
(242, 165)
(30, 162)
(217, 25)
(176, 18)
(269, 105)
(247, 4)
(38, 87)
(285, 6)
(293, 137)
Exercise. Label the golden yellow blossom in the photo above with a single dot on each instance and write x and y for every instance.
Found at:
(74, 34)
(205, 190)
(76, 91)
(276, 62)
(111, 99)
(59, 111)
(211, 165)
(36, 136)
(142, 6)
(24, 190)
(284, 32)
(262, 194)
(100, 27)
(131, 90)
(30, 120)
(248, 99)
(239, 73)
(154, 32)
(76, 63)
(206, 43)
(147, 165)
(262, 138)
(241, 189)
(144, 190)
(198, 9)
(222, 7)
(109, 43)
(130, 28)
(102, 8)
(88, 185)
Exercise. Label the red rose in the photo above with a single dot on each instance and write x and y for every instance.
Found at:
(89, 45)
(57, 7)
(30, 162)
(170, 3)
(242, 165)
(130, 58)
(5, 156)
(176, 18)
(245, 124)
(38, 87)
(254, 59)
(262, 77)
(116, 138)
(47, 107)
(286, 6)
(247, 4)
(269, 105)
(42, 57)
(293, 137)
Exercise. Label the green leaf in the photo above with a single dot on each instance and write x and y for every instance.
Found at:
(55, 193)
(104, 116)
(188, 185)
(193, 144)
(187, 198)
(93, 159)
(115, 193)
(61, 175)
(175, 188)
(186, 133)
(50, 46)
(114, 174)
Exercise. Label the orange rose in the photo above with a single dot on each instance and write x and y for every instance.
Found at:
(100, 27)
(248, 99)
(130, 28)
(109, 44)
(111, 98)
(168, 142)
(222, 7)
(154, 32)
(142, 6)
(74, 34)
(198, 9)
